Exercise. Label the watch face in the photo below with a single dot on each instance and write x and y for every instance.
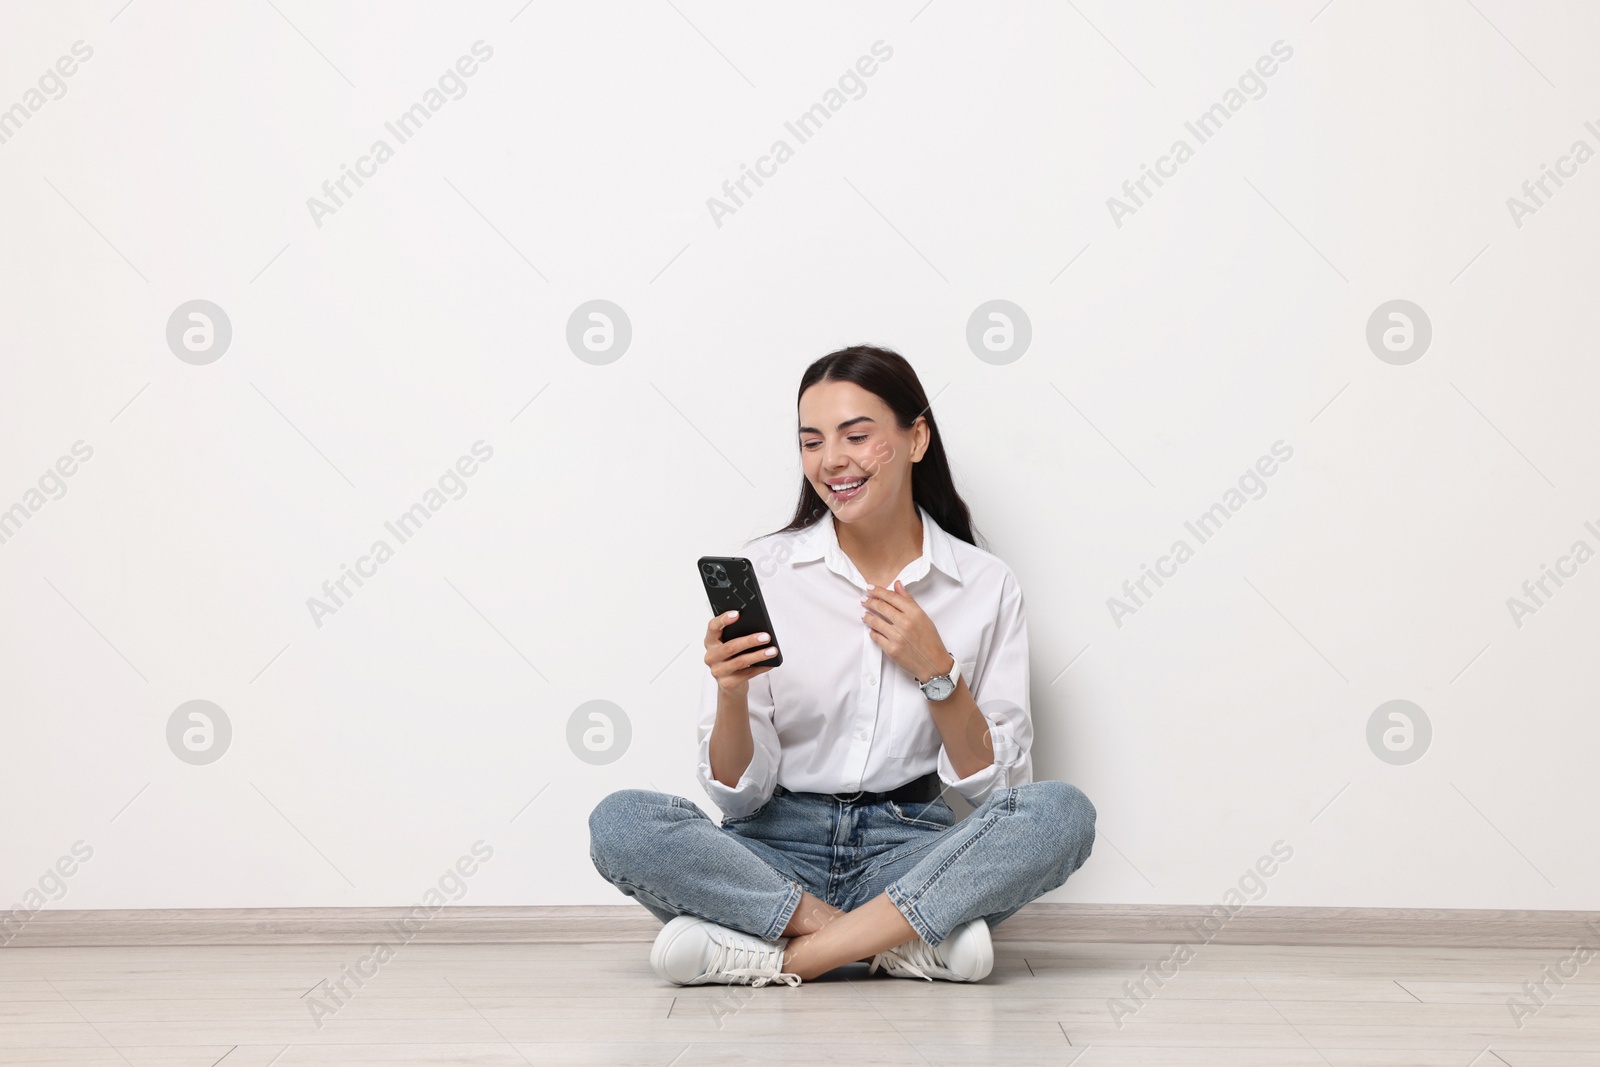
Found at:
(939, 688)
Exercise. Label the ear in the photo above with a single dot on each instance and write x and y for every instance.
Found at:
(920, 437)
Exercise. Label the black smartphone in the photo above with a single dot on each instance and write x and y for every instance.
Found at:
(731, 585)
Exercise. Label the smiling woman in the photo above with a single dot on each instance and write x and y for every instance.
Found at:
(905, 676)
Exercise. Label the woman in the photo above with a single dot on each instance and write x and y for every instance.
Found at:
(904, 675)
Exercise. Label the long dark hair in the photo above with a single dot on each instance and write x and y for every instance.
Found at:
(888, 376)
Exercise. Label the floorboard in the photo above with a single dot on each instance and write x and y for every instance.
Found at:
(588, 1004)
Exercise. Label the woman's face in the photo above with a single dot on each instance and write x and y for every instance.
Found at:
(849, 439)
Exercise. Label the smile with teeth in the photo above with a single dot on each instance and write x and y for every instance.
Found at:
(848, 490)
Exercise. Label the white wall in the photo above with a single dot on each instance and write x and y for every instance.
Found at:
(371, 351)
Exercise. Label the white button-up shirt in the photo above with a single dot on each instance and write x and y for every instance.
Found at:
(839, 715)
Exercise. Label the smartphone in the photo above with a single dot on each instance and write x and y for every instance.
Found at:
(731, 585)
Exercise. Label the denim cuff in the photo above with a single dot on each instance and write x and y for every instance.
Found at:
(786, 911)
(919, 923)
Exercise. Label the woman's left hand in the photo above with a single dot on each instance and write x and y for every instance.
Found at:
(902, 629)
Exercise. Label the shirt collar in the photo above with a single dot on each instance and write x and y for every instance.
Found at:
(821, 541)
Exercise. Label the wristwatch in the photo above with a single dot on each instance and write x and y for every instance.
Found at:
(940, 686)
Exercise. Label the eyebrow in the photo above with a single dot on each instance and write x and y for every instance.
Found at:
(842, 425)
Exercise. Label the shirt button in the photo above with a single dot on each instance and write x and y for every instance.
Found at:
(861, 735)
(872, 681)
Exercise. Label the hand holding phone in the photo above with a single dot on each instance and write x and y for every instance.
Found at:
(737, 649)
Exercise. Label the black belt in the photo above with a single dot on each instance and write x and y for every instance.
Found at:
(924, 790)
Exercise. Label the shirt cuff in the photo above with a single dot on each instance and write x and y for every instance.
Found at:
(754, 788)
(977, 786)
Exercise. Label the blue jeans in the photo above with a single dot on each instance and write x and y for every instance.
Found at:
(748, 873)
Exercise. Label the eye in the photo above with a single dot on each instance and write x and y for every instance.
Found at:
(858, 437)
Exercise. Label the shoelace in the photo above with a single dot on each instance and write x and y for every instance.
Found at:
(913, 956)
(761, 965)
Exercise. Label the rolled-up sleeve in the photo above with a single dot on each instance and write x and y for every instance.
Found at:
(755, 787)
(1001, 691)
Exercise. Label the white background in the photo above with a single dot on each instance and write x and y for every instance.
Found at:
(369, 353)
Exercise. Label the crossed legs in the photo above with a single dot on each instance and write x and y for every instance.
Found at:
(1021, 842)
(822, 937)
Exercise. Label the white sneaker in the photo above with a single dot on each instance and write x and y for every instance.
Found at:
(694, 951)
(967, 955)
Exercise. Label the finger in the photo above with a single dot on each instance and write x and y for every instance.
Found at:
(749, 641)
(738, 666)
(877, 625)
(899, 598)
(715, 626)
(869, 611)
(728, 651)
(751, 672)
(882, 605)
(906, 604)
(754, 659)
(714, 638)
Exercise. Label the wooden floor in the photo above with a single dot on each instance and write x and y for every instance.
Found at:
(1232, 1005)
